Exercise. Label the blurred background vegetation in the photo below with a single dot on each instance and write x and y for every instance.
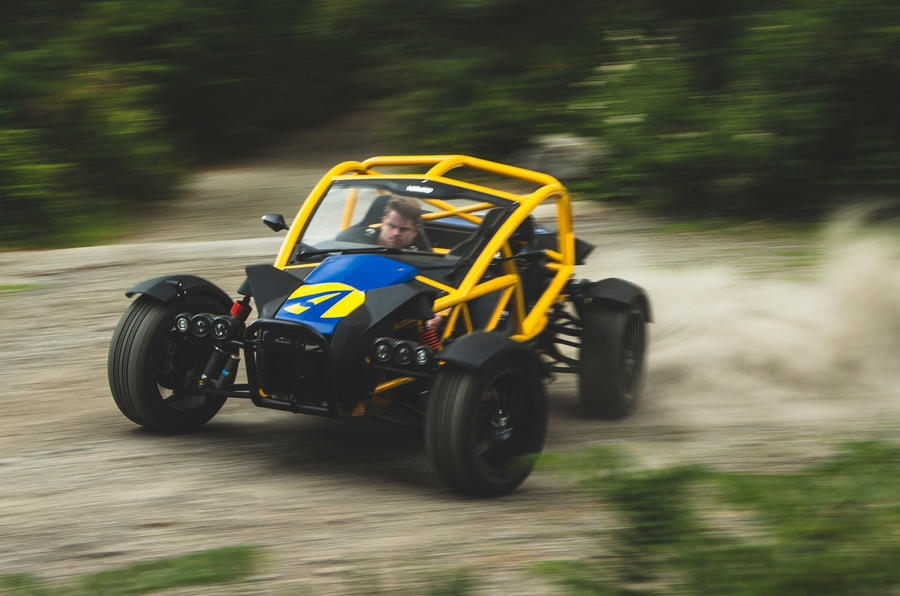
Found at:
(830, 528)
(702, 108)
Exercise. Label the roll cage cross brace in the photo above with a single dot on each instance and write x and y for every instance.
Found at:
(525, 323)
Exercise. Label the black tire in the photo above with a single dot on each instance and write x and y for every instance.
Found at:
(147, 364)
(475, 445)
(613, 350)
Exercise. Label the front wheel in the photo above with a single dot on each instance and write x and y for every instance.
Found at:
(484, 428)
(151, 369)
(613, 346)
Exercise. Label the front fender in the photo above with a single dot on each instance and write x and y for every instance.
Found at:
(619, 291)
(474, 350)
(172, 287)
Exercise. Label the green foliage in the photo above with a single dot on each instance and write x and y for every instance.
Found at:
(228, 75)
(78, 141)
(204, 568)
(103, 103)
(829, 529)
(751, 110)
(493, 74)
(708, 108)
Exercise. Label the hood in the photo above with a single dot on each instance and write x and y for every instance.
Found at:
(338, 286)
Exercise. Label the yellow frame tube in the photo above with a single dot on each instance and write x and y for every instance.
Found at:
(498, 309)
(388, 385)
(491, 285)
(349, 208)
(496, 192)
(308, 206)
(448, 207)
(453, 210)
(436, 284)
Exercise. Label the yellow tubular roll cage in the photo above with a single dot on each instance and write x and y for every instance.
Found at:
(525, 325)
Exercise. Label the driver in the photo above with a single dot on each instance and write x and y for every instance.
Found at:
(399, 227)
(400, 224)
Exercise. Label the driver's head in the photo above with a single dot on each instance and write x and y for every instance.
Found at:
(400, 223)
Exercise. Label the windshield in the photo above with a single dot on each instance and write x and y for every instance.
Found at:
(396, 215)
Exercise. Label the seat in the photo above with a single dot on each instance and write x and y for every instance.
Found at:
(489, 224)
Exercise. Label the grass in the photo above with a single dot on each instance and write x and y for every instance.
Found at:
(10, 288)
(204, 568)
(830, 529)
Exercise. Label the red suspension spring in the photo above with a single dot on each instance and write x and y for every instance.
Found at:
(430, 338)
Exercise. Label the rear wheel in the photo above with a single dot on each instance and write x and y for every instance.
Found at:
(613, 346)
(152, 369)
(484, 428)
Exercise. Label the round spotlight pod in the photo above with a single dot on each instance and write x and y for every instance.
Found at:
(183, 323)
(423, 355)
(403, 353)
(382, 351)
(201, 324)
(221, 327)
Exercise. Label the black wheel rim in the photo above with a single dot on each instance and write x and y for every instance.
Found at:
(177, 375)
(507, 422)
(633, 352)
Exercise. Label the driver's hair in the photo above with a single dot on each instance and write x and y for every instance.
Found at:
(406, 207)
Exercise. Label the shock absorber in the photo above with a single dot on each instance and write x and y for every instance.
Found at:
(229, 370)
(211, 373)
(222, 365)
(430, 338)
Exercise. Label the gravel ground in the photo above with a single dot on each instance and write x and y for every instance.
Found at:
(758, 361)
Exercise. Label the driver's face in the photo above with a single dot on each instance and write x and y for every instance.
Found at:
(397, 231)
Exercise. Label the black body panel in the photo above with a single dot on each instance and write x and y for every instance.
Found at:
(271, 286)
(170, 287)
(619, 291)
(474, 350)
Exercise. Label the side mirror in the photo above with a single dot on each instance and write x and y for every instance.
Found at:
(275, 221)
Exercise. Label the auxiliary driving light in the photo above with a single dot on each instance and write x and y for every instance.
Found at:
(423, 355)
(201, 324)
(183, 322)
(403, 352)
(384, 347)
(221, 327)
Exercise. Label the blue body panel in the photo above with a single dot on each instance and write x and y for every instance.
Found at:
(337, 287)
(363, 272)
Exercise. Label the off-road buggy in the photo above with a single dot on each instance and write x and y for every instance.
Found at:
(343, 322)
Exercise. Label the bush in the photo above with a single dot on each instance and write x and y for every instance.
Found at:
(777, 112)
(492, 75)
(76, 146)
(105, 103)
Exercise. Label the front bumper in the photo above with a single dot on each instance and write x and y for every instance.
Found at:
(289, 367)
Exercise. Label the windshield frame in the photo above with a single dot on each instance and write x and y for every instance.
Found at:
(417, 187)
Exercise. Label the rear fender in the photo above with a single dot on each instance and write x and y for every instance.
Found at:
(475, 350)
(172, 287)
(616, 290)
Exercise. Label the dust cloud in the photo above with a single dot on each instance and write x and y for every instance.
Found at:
(729, 344)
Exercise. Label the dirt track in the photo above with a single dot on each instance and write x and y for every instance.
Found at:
(757, 361)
